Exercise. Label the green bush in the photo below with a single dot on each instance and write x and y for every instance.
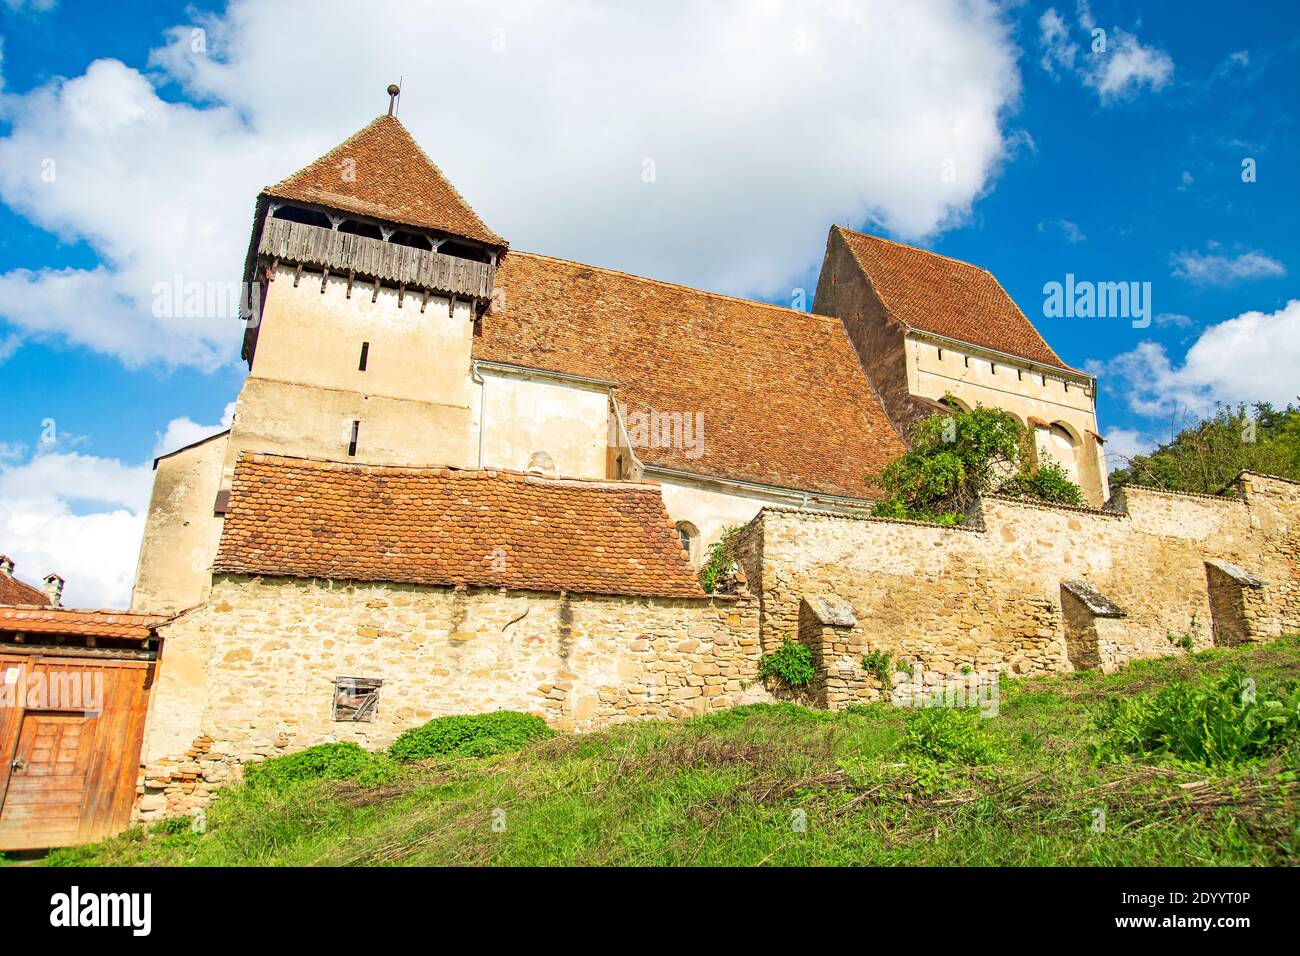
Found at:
(469, 735)
(1217, 720)
(1047, 482)
(948, 735)
(720, 558)
(790, 663)
(345, 761)
(957, 456)
(877, 662)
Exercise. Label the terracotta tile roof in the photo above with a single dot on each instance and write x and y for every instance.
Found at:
(394, 181)
(784, 398)
(443, 526)
(13, 591)
(51, 620)
(933, 293)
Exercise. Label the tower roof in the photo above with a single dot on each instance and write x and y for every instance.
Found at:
(380, 171)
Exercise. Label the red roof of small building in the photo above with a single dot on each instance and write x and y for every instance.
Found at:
(784, 400)
(933, 293)
(58, 620)
(299, 517)
(380, 171)
(13, 591)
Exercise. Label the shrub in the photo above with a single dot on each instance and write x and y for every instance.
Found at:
(790, 663)
(469, 735)
(345, 761)
(1216, 720)
(958, 456)
(720, 559)
(1047, 482)
(877, 662)
(948, 735)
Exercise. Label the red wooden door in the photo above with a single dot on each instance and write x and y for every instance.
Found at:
(70, 740)
(48, 777)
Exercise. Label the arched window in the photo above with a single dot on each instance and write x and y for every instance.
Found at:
(689, 536)
(1063, 446)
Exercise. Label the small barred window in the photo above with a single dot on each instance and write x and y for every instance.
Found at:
(356, 698)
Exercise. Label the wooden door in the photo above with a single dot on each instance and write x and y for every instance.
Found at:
(71, 748)
(47, 782)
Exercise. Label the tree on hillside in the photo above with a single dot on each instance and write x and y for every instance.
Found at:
(1207, 454)
(957, 457)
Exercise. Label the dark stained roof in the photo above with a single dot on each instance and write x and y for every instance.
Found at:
(948, 297)
(784, 399)
(390, 178)
(300, 517)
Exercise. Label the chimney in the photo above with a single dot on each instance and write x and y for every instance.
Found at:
(54, 589)
(6, 566)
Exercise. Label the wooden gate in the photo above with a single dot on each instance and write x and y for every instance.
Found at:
(70, 734)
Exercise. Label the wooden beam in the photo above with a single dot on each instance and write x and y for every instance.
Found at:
(56, 650)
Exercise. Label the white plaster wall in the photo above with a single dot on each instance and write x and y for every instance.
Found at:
(527, 416)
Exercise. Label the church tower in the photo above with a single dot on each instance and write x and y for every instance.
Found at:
(365, 276)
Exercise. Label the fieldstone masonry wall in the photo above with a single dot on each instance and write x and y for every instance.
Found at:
(989, 596)
(250, 674)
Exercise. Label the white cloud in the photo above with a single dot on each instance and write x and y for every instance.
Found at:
(1123, 443)
(182, 432)
(1176, 319)
(1214, 268)
(1116, 65)
(766, 122)
(81, 516)
(155, 188)
(36, 6)
(1250, 358)
(1069, 230)
(42, 530)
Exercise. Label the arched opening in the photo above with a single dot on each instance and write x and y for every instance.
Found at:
(689, 536)
(1062, 445)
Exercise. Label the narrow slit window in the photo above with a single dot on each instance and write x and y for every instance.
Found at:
(365, 356)
(352, 442)
(356, 698)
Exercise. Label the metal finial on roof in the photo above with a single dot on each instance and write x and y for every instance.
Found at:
(393, 91)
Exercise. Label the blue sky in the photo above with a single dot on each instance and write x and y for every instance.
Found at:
(767, 122)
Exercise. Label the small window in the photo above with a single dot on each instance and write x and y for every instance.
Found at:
(618, 468)
(688, 535)
(365, 356)
(352, 442)
(356, 698)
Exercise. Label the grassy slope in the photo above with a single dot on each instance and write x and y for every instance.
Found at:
(725, 789)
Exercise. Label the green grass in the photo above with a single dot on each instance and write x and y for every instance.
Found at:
(780, 785)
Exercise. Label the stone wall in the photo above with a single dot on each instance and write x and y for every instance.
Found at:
(989, 596)
(250, 673)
